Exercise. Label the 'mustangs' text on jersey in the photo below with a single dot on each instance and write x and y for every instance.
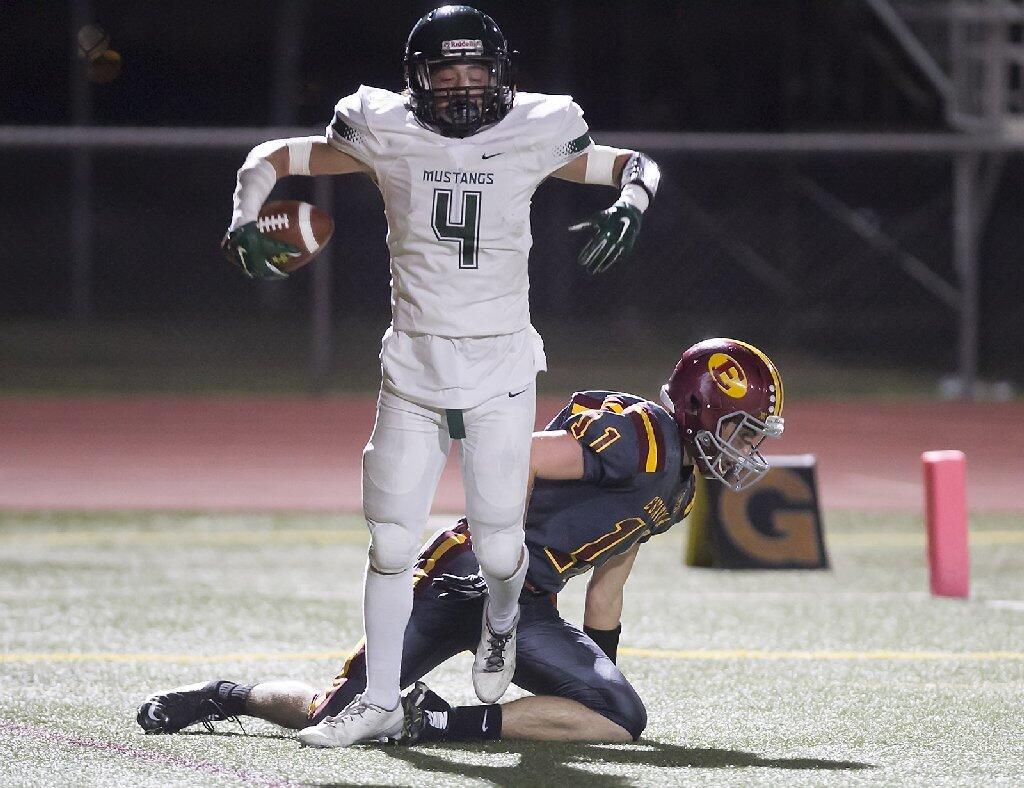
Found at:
(449, 176)
(634, 485)
(458, 210)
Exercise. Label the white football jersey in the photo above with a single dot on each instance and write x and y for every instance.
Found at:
(458, 210)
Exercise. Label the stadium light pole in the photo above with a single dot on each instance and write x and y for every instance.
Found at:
(290, 24)
(965, 258)
(554, 283)
(81, 218)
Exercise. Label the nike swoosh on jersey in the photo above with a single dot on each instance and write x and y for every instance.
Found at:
(517, 393)
(491, 155)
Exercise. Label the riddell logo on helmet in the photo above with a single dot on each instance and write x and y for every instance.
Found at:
(458, 46)
(728, 375)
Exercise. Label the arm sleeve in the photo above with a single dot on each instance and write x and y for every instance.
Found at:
(570, 139)
(349, 131)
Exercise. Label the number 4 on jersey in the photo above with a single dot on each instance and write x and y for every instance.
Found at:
(465, 232)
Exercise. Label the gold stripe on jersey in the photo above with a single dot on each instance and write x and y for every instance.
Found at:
(776, 377)
(357, 651)
(558, 565)
(592, 550)
(453, 541)
(612, 403)
(651, 465)
(614, 407)
(320, 698)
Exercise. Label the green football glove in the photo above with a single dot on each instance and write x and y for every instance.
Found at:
(259, 255)
(615, 232)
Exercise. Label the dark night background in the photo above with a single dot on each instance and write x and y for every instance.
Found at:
(700, 65)
(717, 65)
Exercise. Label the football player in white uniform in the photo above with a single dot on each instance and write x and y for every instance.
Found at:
(457, 158)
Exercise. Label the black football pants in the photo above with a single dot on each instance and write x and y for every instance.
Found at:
(553, 656)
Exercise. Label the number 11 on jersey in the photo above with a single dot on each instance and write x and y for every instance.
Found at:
(465, 232)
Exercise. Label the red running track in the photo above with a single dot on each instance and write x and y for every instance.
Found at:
(303, 454)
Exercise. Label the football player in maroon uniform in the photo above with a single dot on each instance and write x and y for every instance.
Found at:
(610, 471)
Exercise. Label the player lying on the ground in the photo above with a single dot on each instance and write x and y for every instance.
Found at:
(610, 471)
(457, 156)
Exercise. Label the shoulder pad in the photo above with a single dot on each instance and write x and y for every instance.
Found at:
(614, 401)
(381, 106)
(348, 130)
(363, 120)
(653, 443)
(538, 106)
(621, 433)
(551, 122)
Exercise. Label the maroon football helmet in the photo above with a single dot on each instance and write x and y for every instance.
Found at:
(726, 398)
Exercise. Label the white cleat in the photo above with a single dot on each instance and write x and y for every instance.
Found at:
(358, 722)
(495, 661)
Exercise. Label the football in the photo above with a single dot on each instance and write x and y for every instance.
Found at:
(304, 226)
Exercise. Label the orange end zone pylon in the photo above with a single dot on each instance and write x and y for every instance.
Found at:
(945, 493)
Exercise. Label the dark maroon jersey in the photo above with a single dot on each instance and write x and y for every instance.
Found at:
(634, 485)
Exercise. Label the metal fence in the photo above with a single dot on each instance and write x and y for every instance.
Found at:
(872, 249)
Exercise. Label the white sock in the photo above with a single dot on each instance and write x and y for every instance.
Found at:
(387, 605)
(503, 596)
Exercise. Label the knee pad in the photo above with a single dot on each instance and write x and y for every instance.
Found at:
(393, 548)
(499, 551)
(623, 706)
(635, 717)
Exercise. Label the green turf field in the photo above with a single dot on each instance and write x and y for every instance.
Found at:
(853, 676)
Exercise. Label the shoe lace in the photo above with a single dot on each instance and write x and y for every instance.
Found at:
(496, 648)
(356, 708)
(218, 714)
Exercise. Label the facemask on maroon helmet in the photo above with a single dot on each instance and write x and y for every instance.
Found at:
(726, 398)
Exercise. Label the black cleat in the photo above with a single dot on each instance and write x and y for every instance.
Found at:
(418, 704)
(171, 711)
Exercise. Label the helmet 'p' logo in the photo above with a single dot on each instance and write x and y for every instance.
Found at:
(728, 375)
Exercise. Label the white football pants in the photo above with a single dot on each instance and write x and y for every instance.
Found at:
(402, 463)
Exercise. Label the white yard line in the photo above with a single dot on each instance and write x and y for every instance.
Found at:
(1006, 604)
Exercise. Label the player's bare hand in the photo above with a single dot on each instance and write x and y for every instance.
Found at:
(614, 233)
(258, 255)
